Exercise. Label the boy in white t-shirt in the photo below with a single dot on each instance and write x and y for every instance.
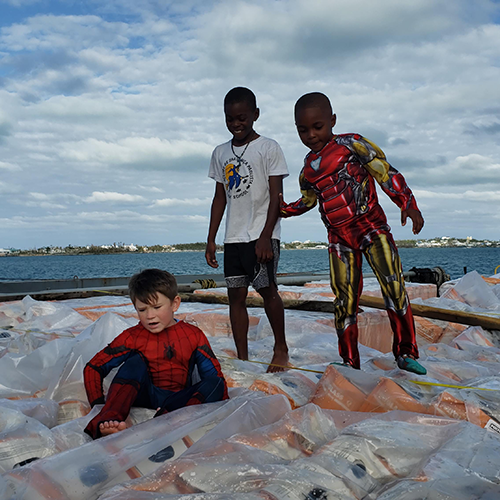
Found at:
(249, 171)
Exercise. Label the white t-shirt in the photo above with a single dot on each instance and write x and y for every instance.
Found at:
(246, 182)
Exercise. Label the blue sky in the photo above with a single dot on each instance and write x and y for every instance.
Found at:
(109, 111)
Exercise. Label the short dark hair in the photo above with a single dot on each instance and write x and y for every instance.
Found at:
(146, 285)
(313, 100)
(241, 94)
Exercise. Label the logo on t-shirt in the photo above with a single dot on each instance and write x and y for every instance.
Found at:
(238, 175)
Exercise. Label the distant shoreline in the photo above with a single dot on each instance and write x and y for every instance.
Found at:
(219, 250)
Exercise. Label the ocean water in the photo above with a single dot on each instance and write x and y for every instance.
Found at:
(455, 261)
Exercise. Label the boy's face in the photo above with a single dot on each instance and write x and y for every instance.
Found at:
(158, 315)
(239, 121)
(314, 126)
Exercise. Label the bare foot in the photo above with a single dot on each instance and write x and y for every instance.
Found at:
(111, 427)
(279, 363)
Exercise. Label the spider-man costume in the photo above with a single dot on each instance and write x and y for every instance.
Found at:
(342, 178)
(157, 372)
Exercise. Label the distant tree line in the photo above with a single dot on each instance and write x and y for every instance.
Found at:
(200, 247)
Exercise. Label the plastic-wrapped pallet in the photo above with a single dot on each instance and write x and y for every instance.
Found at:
(389, 449)
(22, 439)
(470, 452)
(457, 488)
(473, 290)
(299, 433)
(43, 410)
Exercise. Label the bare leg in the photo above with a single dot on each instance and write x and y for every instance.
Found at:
(238, 315)
(111, 427)
(273, 305)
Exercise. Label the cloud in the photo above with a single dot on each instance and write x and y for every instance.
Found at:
(139, 152)
(20, 3)
(45, 205)
(51, 32)
(122, 106)
(193, 202)
(152, 189)
(491, 127)
(8, 166)
(321, 31)
(98, 197)
(462, 169)
(469, 195)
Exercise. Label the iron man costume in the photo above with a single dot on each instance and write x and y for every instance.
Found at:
(342, 178)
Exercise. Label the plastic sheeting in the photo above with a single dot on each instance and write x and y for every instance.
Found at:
(323, 432)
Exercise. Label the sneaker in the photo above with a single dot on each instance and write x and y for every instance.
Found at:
(341, 364)
(409, 364)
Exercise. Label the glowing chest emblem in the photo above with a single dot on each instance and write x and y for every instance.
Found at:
(315, 164)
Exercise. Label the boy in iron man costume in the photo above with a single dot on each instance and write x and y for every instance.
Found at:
(340, 172)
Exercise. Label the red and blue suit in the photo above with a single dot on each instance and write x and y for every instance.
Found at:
(341, 177)
(166, 370)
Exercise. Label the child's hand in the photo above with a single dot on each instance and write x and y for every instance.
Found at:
(415, 216)
(264, 250)
(210, 254)
(283, 206)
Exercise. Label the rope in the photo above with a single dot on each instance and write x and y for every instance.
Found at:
(452, 386)
(434, 384)
(496, 269)
(289, 367)
(206, 283)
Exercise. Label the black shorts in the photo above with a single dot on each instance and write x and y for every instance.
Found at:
(242, 269)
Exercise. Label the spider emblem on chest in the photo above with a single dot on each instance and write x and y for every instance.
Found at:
(168, 351)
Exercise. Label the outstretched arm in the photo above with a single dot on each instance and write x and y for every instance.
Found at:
(216, 213)
(307, 201)
(391, 182)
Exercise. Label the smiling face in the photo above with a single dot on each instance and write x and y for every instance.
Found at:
(239, 121)
(314, 125)
(159, 314)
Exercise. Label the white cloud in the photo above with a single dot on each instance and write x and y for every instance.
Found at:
(51, 32)
(141, 151)
(151, 189)
(469, 195)
(174, 202)
(8, 166)
(20, 3)
(99, 196)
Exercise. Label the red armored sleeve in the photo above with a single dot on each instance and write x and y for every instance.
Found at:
(399, 192)
(391, 181)
(303, 204)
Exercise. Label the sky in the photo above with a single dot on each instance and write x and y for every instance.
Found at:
(109, 111)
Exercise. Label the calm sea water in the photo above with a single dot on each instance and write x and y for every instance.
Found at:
(452, 260)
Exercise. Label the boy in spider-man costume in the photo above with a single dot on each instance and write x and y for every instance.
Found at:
(340, 172)
(158, 357)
